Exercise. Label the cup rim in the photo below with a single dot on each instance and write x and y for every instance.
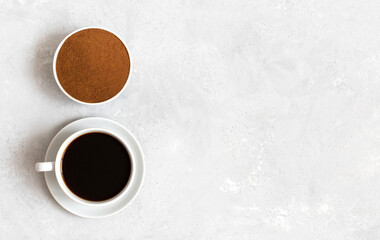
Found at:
(58, 167)
(55, 63)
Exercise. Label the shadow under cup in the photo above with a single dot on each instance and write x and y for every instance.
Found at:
(96, 167)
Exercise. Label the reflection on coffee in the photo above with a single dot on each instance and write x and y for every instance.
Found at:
(96, 166)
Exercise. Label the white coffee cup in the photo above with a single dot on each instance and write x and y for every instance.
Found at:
(56, 167)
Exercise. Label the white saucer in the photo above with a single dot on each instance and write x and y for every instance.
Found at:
(94, 211)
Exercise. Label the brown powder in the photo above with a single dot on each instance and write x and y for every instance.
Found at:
(93, 65)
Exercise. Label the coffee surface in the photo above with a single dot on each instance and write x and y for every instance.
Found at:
(96, 166)
(93, 65)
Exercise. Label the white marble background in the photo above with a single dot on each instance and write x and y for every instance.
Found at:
(258, 119)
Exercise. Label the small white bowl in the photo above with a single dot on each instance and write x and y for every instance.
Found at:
(55, 61)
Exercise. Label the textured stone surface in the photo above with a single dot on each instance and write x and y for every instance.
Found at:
(258, 119)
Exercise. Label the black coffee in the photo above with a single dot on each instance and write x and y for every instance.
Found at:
(96, 166)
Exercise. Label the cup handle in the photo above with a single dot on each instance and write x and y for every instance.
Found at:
(44, 166)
